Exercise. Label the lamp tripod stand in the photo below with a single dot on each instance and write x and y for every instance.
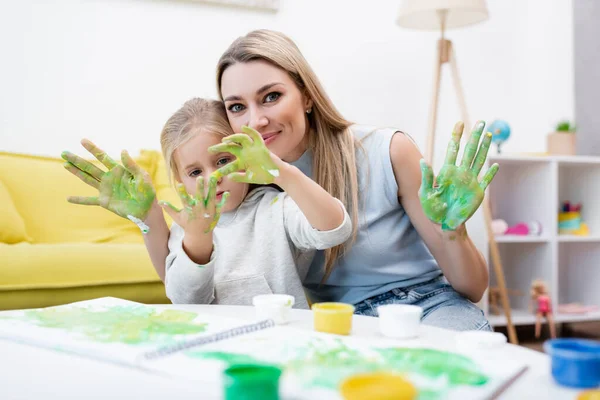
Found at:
(446, 54)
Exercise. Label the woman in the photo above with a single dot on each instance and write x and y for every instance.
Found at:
(410, 243)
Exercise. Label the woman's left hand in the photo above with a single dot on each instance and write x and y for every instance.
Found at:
(253, 157)
(457, 192)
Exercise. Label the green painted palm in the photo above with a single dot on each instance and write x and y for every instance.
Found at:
(457, 192)
(252, 155)
(126, 189)
(199, 212)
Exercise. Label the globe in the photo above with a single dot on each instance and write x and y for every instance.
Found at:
(500, 131)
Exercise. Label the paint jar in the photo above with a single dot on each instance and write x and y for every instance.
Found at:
(575, 362)
(377, 386)
(399, 321)
(273, 306)
(252, 382)
(589, 395)
(333, 317)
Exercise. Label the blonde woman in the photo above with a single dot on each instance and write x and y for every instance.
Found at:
(409, 243)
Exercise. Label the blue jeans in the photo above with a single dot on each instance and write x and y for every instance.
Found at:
(442, 305)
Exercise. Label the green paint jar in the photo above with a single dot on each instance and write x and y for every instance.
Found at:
(252, 382)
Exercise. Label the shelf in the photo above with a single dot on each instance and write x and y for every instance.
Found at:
(521, 239)
(578, 239)
(517, 159)
(578, 160)
(524, 317)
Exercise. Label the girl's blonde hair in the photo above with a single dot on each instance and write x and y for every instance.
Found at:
(330, 139)
(194, 117)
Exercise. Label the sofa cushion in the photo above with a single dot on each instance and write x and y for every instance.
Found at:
(40, 187)
(35, 266)
(12, 226)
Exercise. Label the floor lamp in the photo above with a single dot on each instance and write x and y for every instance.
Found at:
(441, 15)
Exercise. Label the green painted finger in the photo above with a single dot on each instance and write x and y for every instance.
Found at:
(489, 175)
(199, 188)
(222, 202)
(86, 178)
(454, 144)
(167, 204)
(83, 165)
(238, 138)
(212, 191)
(226, 170)
(130, 165)
(472, 145)
(86, 201)
(482, 153)
(426, 177)
(240, 177)
(183, 195)
(232, 148)
(252, 133)
(99, 154)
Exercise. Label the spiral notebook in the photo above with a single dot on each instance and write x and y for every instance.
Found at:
(198, 347)
(119, 331)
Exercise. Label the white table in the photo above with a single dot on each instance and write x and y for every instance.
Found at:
(32, 373)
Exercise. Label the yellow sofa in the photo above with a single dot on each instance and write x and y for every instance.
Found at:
(54, 252)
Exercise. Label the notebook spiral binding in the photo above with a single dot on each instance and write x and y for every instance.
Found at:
(240, 330)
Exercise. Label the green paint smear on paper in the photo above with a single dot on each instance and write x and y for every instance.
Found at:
(228, 358)
(325, 364)
(120, 324)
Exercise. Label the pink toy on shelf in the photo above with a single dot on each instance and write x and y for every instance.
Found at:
(533, 228)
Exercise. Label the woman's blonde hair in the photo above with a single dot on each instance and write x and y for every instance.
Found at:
(194, 117)
(330, 139)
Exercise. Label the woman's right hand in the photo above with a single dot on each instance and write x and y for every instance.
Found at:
(126, 189)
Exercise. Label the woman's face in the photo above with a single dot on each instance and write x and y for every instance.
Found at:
(264, 97)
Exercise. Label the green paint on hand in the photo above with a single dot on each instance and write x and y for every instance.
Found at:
(274, 200)
(133, 325)
(457, 193)
(125, 189)
(252, 155)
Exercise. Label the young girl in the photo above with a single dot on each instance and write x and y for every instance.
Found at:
(233, 241)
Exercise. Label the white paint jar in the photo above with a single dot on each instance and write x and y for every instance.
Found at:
(400, 321)
(273, 306)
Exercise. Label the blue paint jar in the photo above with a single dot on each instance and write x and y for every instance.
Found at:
(575, 362)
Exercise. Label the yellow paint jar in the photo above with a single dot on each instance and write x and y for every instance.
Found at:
(333, 317)
(589, 395)
(377, 386)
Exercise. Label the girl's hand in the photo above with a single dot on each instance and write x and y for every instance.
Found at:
(126, 189)
(457, 192)
(252, 155)
(199, 214)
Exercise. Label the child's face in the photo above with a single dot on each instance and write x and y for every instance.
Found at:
(194, 160)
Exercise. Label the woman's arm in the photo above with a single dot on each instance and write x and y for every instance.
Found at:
(157, 238)
(462, 264)
(322, 210)
(125, 190)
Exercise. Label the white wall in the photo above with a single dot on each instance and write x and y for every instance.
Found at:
(114, 70)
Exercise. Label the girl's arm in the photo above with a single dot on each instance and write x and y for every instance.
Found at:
(461, 262)
(187, 281)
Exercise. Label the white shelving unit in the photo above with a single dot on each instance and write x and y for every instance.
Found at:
(531, 188)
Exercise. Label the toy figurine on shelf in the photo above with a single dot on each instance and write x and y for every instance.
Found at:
(570, 222)
(541, 298)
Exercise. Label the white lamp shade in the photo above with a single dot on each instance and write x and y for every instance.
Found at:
(425, 14)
